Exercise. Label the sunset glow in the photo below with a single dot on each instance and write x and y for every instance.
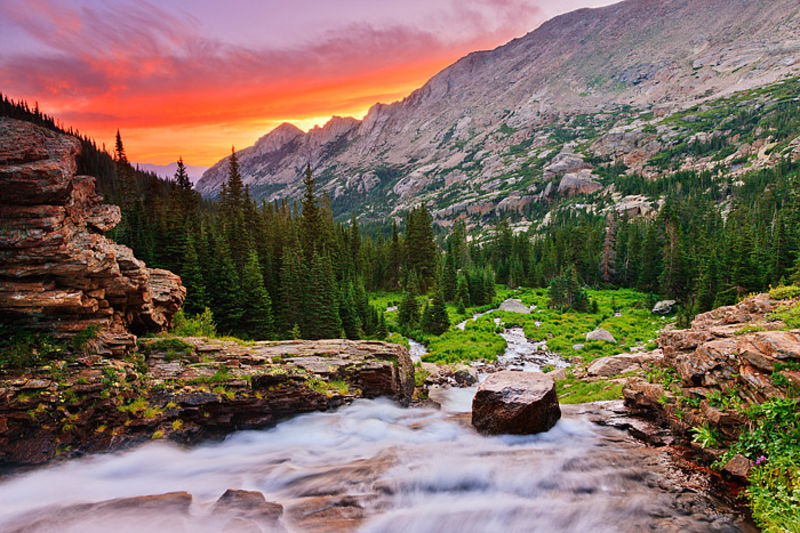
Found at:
(191, 78)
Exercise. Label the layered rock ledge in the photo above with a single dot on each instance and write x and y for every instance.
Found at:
(187, 390)
(731, 357)
(58, 273)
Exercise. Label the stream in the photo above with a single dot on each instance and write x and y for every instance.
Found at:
(376, 467)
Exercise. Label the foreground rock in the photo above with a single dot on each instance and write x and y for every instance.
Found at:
(59, 273)
(235, 510)
(731, 357)
(519, 403)
(187, 390)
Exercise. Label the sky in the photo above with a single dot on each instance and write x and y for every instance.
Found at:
(192, 78)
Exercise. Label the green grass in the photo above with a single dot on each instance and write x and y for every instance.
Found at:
(478, 341)
(637, 327)
(572, 390)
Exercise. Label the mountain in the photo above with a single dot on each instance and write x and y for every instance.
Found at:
(168, 171)
(509, 130)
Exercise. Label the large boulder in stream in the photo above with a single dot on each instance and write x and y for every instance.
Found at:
(518, 403)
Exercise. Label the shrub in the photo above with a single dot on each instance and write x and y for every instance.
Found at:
(201, 325)
(784, 292)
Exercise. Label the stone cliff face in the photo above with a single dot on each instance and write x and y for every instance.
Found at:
(187, 390)
(58, 272)
(731, 357)
(480, 130)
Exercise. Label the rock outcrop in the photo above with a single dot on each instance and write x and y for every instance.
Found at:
(731, 357)
(187, 390)
(519, 403)
(615, 365)
(58, 272)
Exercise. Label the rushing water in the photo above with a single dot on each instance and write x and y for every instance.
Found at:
(397, 470)
(376, 467)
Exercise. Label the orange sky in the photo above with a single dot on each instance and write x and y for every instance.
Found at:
(192, 78)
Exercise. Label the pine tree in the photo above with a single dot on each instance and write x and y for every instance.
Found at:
(449, 276)
(192, 278)
(226, 295)
(608, 259)
(322, 314)
(408, 311)
(347, 313)
(382, 332)
(235, 184)
(182, 177)
(256, 321)
(293, 288)
(395, 258)
(310, 223)
(420, 247)
(462, 292)
(435, 320)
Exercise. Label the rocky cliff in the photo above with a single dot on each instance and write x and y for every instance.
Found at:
(731, 358)
(481, 136)
(58, 273)
(187, 390)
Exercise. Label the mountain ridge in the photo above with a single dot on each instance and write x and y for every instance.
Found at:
(458, 129)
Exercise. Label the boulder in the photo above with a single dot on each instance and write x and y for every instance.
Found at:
(465, 375)
(248, 504)
(664, 307)
(738, 467)
(518, 403)
(601, 334)
(515, 306)
(619, 364)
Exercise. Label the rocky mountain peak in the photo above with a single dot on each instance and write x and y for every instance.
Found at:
(478, 132)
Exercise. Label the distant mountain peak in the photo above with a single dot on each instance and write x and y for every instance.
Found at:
(477, 135)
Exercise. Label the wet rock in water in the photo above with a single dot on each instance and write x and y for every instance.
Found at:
(518, 403)
(515, 306)
(165, 511)
(465, 375)
(739, 467)
(248, 504)
(601, 334)
(664, 307)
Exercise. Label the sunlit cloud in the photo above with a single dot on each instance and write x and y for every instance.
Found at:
(188, 78)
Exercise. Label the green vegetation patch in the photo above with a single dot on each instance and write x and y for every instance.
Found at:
(772, 442)
(572, 390)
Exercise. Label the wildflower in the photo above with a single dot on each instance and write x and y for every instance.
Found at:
(760, 460)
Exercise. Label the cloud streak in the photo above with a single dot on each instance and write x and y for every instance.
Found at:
(155, 72)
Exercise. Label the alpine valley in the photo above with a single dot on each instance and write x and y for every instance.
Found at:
(638, 88)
